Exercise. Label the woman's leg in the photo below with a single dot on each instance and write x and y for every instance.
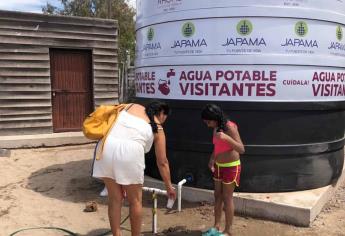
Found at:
(114, 205)
(228, 190)
(134, 197)
(218, 203)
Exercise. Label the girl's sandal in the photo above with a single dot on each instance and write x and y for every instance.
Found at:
(219, 234)
(211, 232)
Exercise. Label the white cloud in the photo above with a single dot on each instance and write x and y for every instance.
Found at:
(26, 5)
(13, 3)
(35, 5)
(133, 3)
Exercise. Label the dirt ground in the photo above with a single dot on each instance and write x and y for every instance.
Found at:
(48, 187)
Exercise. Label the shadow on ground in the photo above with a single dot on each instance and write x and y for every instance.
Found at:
(52, 182)
(175, 231)
(80, 187)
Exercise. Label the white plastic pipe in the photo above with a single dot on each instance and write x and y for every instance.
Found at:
(154, 213)
(179, 193)
(155, 192)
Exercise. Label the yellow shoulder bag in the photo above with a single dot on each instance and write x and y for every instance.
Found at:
(98, 124)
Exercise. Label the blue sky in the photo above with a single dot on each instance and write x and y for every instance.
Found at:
(32, 5)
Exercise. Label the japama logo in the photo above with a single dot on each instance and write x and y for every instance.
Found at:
(188, 30)
(150, 34)
(339, 33)
(244, 28)
(338, 45)
(301, 30)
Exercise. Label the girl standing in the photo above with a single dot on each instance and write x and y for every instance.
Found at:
(225, 165)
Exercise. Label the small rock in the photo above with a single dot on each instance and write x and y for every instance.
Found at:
(91, 206)
(204, 203)
(175, 229)
(5, 153)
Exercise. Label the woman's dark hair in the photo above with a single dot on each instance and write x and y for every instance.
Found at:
(154, 109)
(215, 113)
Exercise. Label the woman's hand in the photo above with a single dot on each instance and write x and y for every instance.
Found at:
(171, 192)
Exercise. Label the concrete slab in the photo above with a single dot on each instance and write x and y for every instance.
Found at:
(297, 208)
(43, 140)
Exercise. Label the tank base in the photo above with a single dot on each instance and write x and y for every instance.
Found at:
(281, 207)
(260, 174)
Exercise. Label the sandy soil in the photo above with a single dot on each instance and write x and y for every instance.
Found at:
(49, 187)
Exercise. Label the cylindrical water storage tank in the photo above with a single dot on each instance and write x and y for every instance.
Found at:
(277, 68)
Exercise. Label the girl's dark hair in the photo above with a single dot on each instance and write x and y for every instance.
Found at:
(215, 113)
(153, 109)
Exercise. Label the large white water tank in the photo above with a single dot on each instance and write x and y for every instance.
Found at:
(276, 66)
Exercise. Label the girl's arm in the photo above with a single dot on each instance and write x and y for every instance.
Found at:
(232, 137)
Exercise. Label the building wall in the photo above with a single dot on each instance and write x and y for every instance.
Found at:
(25, 85)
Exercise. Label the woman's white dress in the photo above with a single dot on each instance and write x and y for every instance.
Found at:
(124, 150)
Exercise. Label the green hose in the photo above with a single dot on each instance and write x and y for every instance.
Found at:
(64, 230)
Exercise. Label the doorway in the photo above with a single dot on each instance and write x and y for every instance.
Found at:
(71, 79)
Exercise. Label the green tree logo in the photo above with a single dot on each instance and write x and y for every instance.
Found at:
(150, 34)
(244, 27)
(339, 33)
(188, 29)
(301, 28)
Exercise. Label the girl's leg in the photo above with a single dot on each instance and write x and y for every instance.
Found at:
(218, 203)
(228, 190)
(134, 197)
(114, 205)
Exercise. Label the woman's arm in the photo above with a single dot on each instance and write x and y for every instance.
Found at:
(232, 137)
(162, 161)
